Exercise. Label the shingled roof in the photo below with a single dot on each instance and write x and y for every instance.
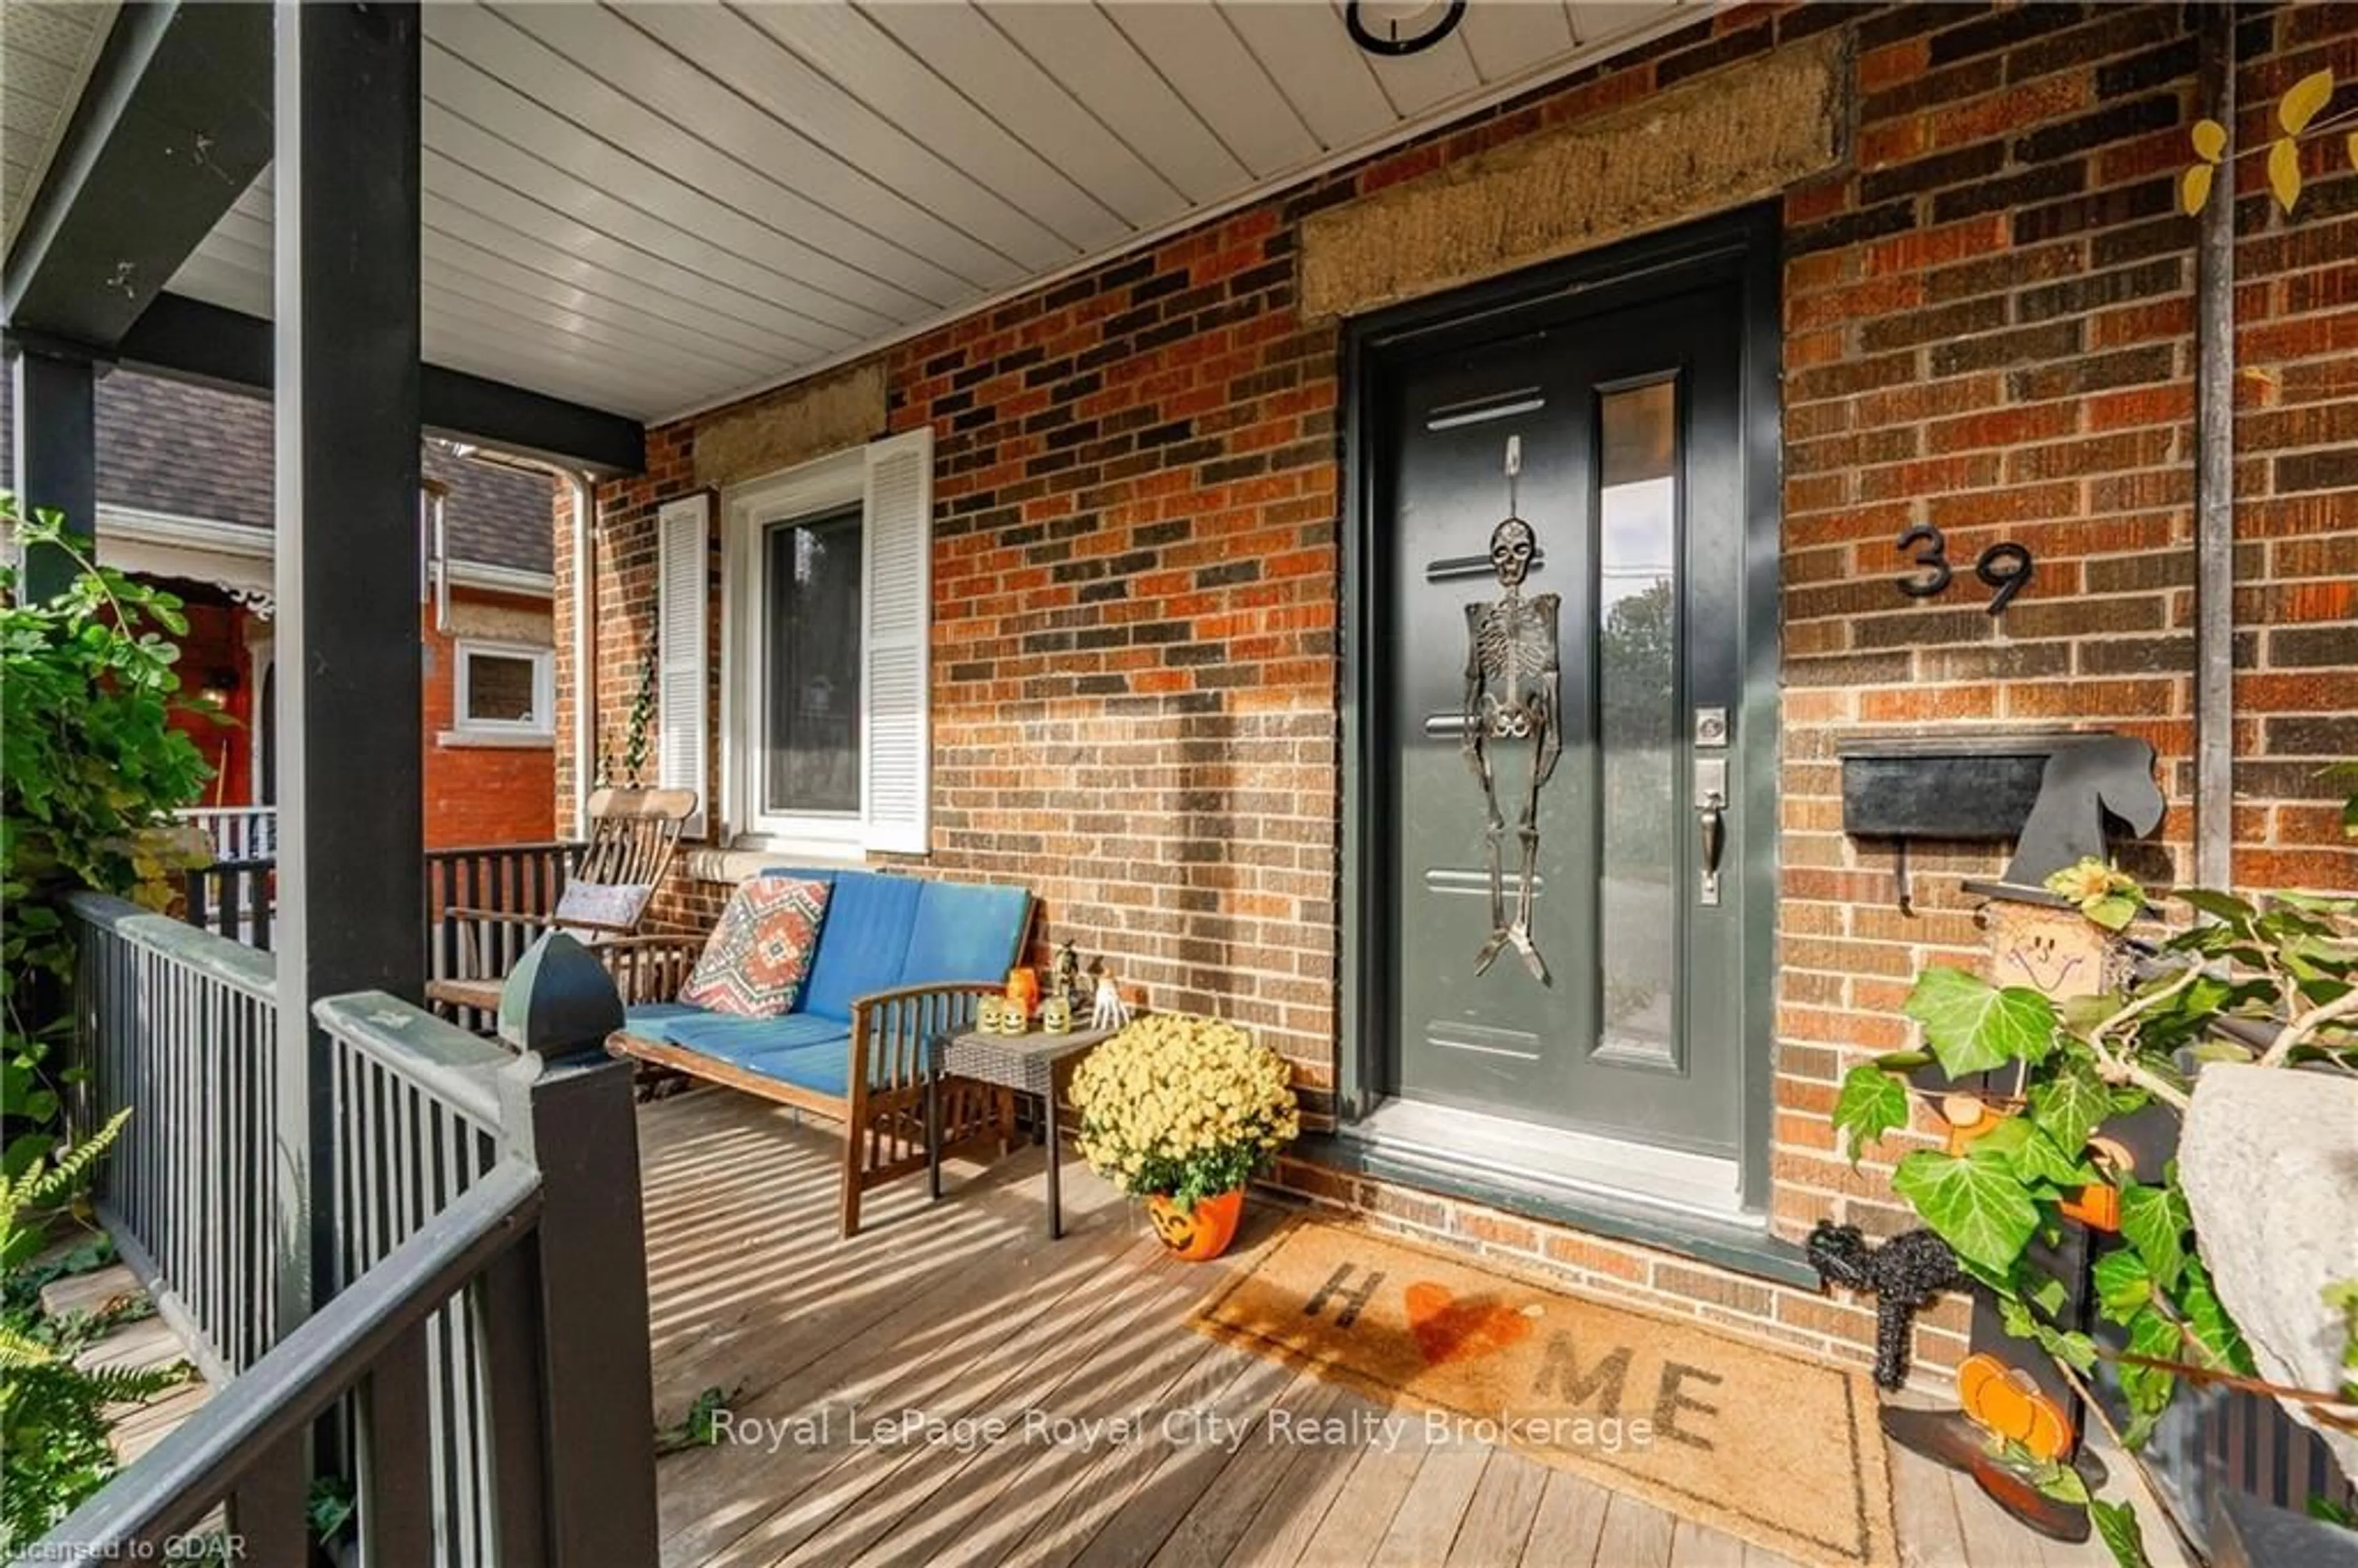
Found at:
(193, 451)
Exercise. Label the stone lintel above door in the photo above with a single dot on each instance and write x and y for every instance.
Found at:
(1730, 137)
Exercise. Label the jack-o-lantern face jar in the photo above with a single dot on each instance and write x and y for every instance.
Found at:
(1056, 1015)
(1202, 1232)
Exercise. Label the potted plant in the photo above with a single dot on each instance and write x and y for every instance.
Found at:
(1183, 1112)
(2267, 985)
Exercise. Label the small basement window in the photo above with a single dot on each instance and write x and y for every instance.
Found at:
(504, 692)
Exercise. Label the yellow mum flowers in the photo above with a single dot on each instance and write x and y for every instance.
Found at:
(1182, 1105)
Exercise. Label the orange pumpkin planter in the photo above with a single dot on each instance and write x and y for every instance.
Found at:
(1204, 1233)
(2003, 1399)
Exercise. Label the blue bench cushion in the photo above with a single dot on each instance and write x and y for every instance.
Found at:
(821, 1069)
(810, 1053)
(731, 1038)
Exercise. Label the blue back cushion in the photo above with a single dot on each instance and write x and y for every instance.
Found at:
(864, 943)
(962, 932)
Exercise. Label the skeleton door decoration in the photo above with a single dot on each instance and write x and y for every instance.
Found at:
(1514, 686)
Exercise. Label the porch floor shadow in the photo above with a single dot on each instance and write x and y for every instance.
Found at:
(820, 1346)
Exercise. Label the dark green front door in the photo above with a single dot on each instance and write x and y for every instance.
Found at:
(1627, 425)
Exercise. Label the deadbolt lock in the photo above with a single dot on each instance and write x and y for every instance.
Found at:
(1711, 727)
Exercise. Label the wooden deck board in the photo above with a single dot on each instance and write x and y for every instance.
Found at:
(1637, 1534)
(1313, 1478)
(1108, 1364)
(1120, 1514)
(140, 1344)
(947, 1353)
(1426, 1524)
(1251, 1480)
(965, 1308)
(88, 1291)
(1498, 1520)
(1571, 1518)
(1361, 1515)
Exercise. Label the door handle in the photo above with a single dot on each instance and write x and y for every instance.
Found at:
(1711, 817)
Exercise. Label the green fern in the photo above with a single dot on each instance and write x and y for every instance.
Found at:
(28, 1199)
(19, 1349)
(42, 1183)
(55, 1415)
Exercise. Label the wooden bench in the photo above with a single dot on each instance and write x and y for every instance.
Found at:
(901, 963)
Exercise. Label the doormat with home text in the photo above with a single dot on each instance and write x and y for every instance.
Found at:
(1770, 1447)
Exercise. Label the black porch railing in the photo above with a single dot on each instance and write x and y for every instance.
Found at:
(181, 1026)
(480, 1211)
(235, 899)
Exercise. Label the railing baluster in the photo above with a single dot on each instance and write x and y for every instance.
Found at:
(268, 1512)
(506, 1298)
(375, 1193)
(397, 1452)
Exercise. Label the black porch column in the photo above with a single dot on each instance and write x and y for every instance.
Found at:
(351, 875)
(56, 453)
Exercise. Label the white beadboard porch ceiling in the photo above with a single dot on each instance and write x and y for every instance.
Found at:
(47, 50)
(655, 208)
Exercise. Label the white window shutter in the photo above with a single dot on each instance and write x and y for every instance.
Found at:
(895, 776)
(683, 606)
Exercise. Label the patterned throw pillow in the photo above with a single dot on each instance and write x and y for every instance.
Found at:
(601, 904)
(758, 955)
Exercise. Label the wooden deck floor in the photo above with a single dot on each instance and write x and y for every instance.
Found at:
(966, 1309)
(137, 1346)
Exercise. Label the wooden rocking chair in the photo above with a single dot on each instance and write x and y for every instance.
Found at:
(632, 836)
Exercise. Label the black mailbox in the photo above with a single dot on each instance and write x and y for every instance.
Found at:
(2051, 792)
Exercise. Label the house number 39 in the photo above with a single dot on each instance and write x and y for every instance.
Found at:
(2006, 567)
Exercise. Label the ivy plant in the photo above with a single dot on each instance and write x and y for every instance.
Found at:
(635, 728)
(2274, 983)
(90, 764)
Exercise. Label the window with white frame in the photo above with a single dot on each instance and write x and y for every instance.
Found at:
(824, 579)
(504, 691)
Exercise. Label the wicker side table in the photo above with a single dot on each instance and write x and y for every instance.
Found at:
(1028, 1064)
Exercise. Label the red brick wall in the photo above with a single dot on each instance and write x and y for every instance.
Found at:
(1989, 327)
(480, 795)
(1989, 321)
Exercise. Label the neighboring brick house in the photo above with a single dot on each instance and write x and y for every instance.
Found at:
(184, 488)
(1144, 512)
